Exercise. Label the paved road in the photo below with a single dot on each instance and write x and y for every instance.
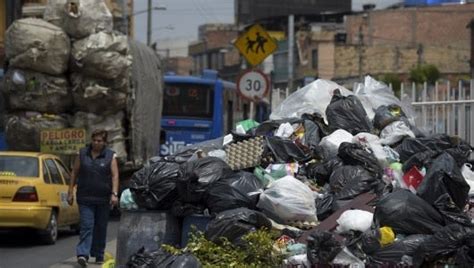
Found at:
(21, 249)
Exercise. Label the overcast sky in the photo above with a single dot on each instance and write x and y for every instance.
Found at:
(181, 18)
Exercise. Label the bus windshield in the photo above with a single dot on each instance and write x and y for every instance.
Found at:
(188, 100)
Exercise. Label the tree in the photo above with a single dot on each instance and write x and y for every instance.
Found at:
(394, 80)
(425, 73)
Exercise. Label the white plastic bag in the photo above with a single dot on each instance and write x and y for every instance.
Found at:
(468, 175)
(298, 261)
(345, 258)
(284, 130)
(287, 200)
(332, 142)
(395, 132)
(374, 94)
(314, 97)
(357, 220)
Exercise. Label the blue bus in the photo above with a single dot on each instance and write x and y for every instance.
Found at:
(197, 109)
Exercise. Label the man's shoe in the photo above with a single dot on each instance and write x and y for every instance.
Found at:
(82, 261)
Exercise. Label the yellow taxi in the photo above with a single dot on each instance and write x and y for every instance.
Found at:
(33, 194)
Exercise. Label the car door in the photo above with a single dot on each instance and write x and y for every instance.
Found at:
(72, 212)
(60, 191)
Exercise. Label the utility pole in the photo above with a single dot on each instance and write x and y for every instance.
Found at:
(291, 41)
(360, 44)
(471, 25)
(148, 29)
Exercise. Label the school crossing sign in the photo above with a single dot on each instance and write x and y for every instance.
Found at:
(255, 44)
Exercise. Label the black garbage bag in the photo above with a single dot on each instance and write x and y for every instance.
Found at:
(162, 259)
(444, 176)
(321, 172)
(195, 176)
(347, 182)
(286, 151)
(234, 224)
(450, 212)
(456, 147)
(394, 252)
(240, 189)
(407, 214)
(347, 113)
(453, 241)
(181, 209)
(355, 155)
(324, 206)
(322, 247)
(154, 186)
(387, 114)
(318, 120)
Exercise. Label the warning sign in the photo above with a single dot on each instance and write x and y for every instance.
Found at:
(255, 45)
(62, 141)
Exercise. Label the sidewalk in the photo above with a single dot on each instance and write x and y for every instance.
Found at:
(111, 247)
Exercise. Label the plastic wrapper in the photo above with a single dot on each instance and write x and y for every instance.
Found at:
(240, 189)
(102, 55)
(407, 214)
(285, 150)
(22, 131)
(36, 91)
(234, 224)
(79, 18)
(297, 261)
(347, 113)
(37, 45)
(354, 154)
(288, 199)
(322, 248)
(313, 98)
(113, 124)
(395, 132)
(354, 219)
(332, 142)
(347, 182)
(196, 175)
(453, 241)
(162, 259)
(126, 200)
(154, 186)
(444, 177)
(345, 258)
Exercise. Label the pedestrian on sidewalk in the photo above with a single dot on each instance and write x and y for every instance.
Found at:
(96, 174)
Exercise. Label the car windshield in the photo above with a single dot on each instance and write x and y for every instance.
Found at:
(20, 166)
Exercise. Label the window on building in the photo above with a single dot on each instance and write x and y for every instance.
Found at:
(314, 59)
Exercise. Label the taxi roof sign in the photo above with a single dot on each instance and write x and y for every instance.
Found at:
(255, 44)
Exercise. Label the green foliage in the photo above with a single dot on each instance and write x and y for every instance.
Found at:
(394, 80)
(257, 252)
(425, 73)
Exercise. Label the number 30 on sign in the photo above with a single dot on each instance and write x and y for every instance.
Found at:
(253, 85)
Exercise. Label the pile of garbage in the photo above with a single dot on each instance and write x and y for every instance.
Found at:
(66, 70)
(345, 177)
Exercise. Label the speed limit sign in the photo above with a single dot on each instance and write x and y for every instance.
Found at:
(253, 85)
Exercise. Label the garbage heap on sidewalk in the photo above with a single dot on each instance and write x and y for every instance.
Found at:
(345, 178)
(66, 70)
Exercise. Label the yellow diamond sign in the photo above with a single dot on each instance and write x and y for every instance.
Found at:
(255, 44)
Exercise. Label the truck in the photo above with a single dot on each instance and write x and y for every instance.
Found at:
(140, 122)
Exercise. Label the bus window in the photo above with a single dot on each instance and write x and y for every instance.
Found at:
(188, 100)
